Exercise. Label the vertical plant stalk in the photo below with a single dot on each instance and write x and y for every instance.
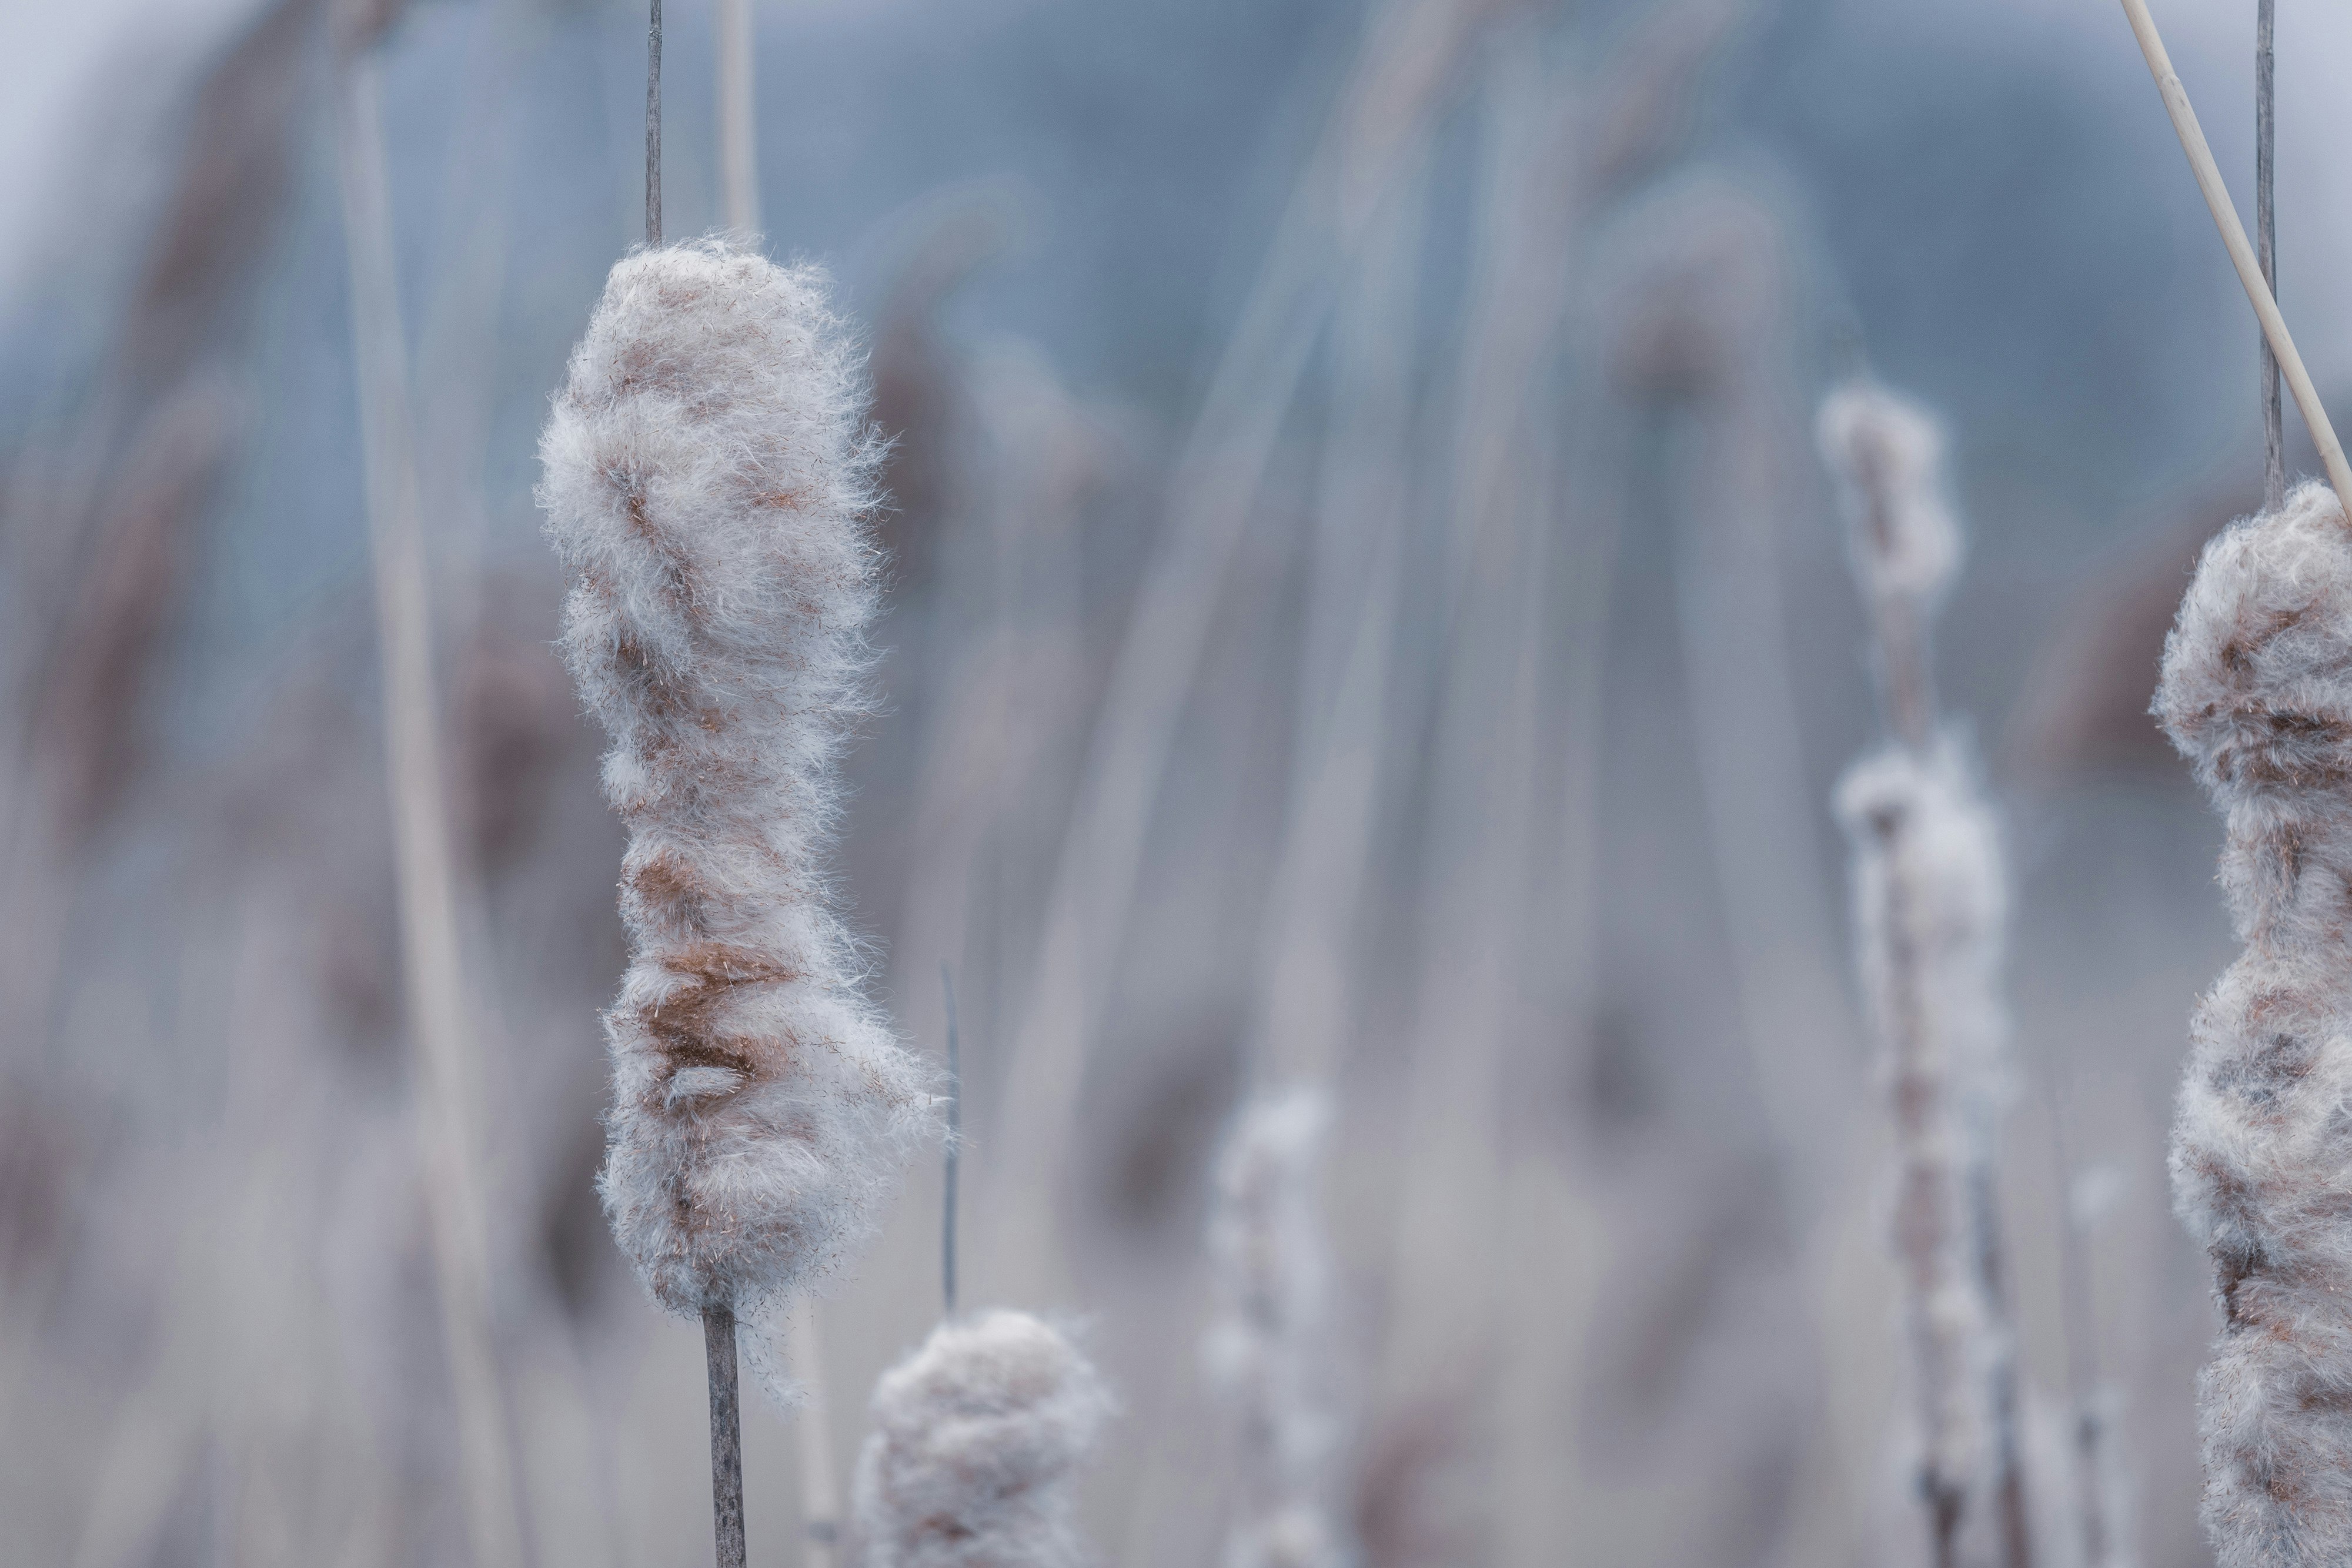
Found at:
(820, 1488)
(726, 1434)
(431, 969)
(2241, 254)
(1929, 899)
(2266, 244)
(1410, 55)
(954, 1154)
(653, 124)
(739, 151)
(2098, 1518)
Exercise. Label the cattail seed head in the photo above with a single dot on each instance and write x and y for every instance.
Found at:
(1887, 455)
(708, 475)
(1269, 1339)
(977, 1437)
(1928, 911)
(2257, 693)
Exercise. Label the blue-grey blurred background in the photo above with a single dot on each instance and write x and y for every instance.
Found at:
(1447, 367)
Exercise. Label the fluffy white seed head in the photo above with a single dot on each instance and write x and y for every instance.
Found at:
(1267, 1345)
(1929, 895)
(977, 1437)
(2257, 693)
(706, 477)
(1887, 455)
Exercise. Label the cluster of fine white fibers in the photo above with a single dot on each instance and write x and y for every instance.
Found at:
(707, 477)
(2257, 692)
(1888, 454)
(1928, 896)
(1267, 1345)
(977, 1438)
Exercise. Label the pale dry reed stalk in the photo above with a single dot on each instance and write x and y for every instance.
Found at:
(1706, 336)
(708, 475)
(1406, 67)
(2255, 692)
(1301, 1008)
(1267, 1347)
(1474, 945)
(2101, 1491)
(94, 558)
(738, 121)
(821, 1515)
(1930, 908)
(449, 1099)
(978, 1436)
(1302, 1005)
(2251, 274)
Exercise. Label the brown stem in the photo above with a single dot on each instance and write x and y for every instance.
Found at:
(653, 126)
(726, 1436)
(2266, 246)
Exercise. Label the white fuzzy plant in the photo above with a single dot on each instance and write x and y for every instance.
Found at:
(1930, 895)
(1266, 1346)
(2257, 693)
(978, 1438)
(708, 475)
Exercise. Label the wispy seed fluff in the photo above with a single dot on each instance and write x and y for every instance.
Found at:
(1888, 454)
(977, 1437)
(1269, 1341)
(1928, 908)
(707, 472)
(2257, 693)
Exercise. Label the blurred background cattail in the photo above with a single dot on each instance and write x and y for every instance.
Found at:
(977, 1437)
(1362, 610)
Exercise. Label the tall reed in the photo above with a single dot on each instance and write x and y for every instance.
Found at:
(1930, 908)
(1408, 63)
(450, 1110)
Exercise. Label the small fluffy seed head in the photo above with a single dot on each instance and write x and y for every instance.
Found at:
(1269, 1339)
(708, 473)
(1933, 943)
(977, 1437)
(1887, 455)
(2257, 693)
(1928, 911)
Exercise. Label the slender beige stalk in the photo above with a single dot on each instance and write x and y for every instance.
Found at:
(1929, 896)
(738, 150)
(1483, 795)
(1302, 1013)
(2241, 254)
(1411, 51)
(434, 980)
(820, 1483)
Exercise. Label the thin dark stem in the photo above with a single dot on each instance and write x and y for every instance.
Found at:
(2266, 247)
(726, 1436)
(955, 1125)
(652, 127)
